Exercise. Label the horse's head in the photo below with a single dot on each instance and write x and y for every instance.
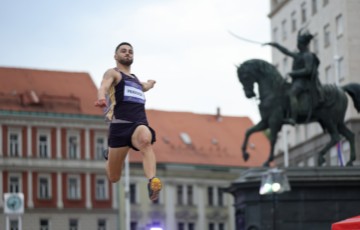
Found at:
(259, 71)
(247, 74)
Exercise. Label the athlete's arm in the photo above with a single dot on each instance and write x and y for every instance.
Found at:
(108, 78)
(148, 85)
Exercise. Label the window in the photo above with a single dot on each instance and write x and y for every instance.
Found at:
(339, 25)
(211, 226)
(101, 192)
(179, 192)
(221, 226)
(341, 69)
(133, 226)
(328, 75)
(73, 147)
(314, 6)
(190, 200)
(303, 12)
(99, 147)
(275, 35)
(44, 187)
(220, 197)
(14, 146)
(14, 183)
(191, 226)
(73, 224)
(325, 2)
(210, 196)
(316, 44)
(181, 226)
(14, 224)
(44, 224)
(327, 35)
(74, 187)
(284, 31)
(101, 224)
(293, 21)
(43, 146)
(43, 143)
(133, 193)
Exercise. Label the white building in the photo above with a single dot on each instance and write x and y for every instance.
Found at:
(334, 24)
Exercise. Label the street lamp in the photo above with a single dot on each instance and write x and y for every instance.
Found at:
(274, 181)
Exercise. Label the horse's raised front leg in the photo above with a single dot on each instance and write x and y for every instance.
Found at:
(275, 127)
(262, 125)
(351, 138)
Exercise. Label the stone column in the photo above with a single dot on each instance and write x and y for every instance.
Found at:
(201, 194)
(170, 191)
(115, 195)
(88, 191)
(60, 203)
(30, 202)
(29, 141)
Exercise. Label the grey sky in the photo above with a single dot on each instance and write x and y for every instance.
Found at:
(182, 44)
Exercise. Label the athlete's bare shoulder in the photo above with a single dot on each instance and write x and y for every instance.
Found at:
(112, 74)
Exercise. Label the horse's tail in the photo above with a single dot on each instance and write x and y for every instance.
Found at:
(353, 89)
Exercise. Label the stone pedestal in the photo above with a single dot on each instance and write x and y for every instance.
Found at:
(318, 197)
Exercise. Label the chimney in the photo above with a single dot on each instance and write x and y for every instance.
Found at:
(218, 115)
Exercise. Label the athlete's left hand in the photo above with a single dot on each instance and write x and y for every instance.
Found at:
(100, 103)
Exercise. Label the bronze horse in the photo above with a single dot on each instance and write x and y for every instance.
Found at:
(274, 105)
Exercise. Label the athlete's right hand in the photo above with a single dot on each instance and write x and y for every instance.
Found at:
(100, 103)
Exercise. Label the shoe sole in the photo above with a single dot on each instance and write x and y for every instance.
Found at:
(155, 187)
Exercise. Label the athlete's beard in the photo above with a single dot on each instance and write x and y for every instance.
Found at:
(126, 62)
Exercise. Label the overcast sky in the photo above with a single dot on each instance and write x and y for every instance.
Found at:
(182, 44)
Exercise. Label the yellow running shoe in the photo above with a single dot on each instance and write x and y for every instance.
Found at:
(154, 187)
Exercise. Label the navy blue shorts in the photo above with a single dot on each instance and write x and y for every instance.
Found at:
(120, 134)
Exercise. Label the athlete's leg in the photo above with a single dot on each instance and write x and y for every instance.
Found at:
(115, 162)
(141, 139)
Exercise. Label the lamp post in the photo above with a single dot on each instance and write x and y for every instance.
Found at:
(274, 181)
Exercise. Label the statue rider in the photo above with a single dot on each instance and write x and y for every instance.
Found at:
(304, 73)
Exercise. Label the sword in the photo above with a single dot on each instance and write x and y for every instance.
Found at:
(245, 39)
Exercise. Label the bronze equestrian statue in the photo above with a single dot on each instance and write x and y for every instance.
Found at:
(274, 106)
(278, 98)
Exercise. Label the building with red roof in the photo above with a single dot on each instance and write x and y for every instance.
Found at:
(52, 137)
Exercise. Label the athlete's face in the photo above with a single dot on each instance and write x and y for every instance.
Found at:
(124, 55)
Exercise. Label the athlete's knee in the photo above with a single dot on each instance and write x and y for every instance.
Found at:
(144, 141)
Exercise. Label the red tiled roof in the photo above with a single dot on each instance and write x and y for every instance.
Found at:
(47, 91)
(213, 142)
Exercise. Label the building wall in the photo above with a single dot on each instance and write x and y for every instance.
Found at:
(31, 168)
(339, 63)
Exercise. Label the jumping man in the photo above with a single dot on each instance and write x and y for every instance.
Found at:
(121, 95)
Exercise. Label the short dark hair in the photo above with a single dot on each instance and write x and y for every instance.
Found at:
(122, 43)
